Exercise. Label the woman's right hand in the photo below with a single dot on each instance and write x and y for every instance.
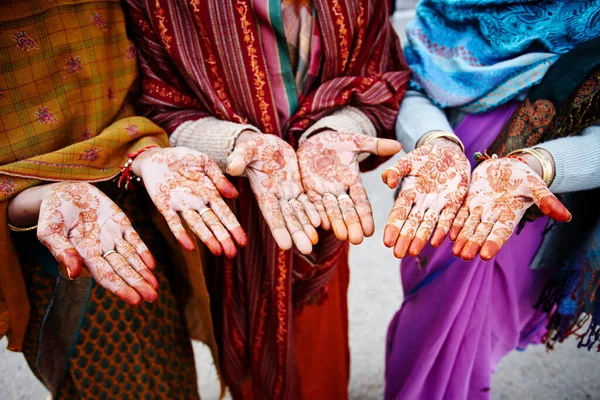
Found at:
(435, 178)
(79, 224)
(501, 191)
(272, 168)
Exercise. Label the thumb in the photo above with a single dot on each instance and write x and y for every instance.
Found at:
(547, 202)
(380, 147)
(553, 208)
(242, 155)
(393, 174)
(67, 256)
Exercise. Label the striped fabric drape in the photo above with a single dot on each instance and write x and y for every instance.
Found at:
(206, 58)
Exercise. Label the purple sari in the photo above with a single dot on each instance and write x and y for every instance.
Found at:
(458, 319)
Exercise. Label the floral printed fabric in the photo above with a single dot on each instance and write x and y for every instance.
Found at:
(66, 68)
(64, 83)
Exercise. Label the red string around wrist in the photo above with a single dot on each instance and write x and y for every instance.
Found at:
(480, 157)
(132, 156)
(127, 178)
(517, 158)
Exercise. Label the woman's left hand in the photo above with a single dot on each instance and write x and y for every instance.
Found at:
(184, 183)
(501, 190)
(329, 170)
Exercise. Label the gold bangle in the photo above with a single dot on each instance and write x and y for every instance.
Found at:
(549, 164)
(547, 170)
(444, 135)
(17, 229)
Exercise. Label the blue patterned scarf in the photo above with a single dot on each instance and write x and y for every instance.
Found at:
(478, 54)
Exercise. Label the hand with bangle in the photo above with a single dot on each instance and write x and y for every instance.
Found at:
(82, 227)
(501, 190)
(186, 184)
(434, 180)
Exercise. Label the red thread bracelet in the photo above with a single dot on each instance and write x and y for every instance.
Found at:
(517, 158)
(127, 176)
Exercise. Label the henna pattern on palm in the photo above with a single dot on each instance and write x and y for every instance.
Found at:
(78, 224)
(501, 191)
(329, 166)
(435, 179)
(184, 183)
(272, 168)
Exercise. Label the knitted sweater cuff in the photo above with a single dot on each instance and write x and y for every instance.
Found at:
(211, 136)
(576, 161)
(417, 116)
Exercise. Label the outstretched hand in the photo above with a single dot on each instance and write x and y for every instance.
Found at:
(272, 168)
(184, 183)
(501, 190)
(329, 166)
(82, 227)
(434, 179)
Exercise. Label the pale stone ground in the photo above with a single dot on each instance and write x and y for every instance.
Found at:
(374, 296)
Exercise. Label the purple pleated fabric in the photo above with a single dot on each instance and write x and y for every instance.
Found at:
(458, 319)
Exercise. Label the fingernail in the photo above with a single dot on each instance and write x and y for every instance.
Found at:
(570, 217)
(69, 273)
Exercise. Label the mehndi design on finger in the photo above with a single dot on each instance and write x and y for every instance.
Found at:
(179, 180)
(77, 217)
(433, 175)
(502, 189)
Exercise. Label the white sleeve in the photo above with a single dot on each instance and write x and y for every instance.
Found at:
(418, 115)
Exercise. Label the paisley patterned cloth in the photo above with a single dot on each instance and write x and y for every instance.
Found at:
(459, 319)
(478, 54)
(563, 104)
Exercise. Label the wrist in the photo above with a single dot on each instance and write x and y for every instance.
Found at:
(438, 136)
(136, 165)
(540, 161)
(245, 136)
(446, 142)
(318, 132)
(24, 208)
(532, 162)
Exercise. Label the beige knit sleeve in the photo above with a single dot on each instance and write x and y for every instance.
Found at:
(211, 136)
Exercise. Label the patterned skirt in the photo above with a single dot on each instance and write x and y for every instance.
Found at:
(117, 350)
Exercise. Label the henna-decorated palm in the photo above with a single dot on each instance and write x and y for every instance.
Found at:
(501, 190)
(330, 171)
(79, 224)
(184, 182)
(434, 179)
(272, 168)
